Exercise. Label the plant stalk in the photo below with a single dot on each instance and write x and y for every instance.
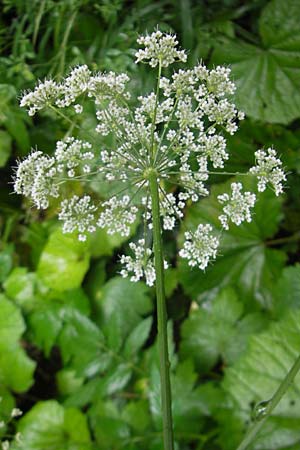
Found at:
(270, 405)
(165, 383)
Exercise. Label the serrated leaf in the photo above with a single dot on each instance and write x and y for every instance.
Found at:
(63, 262)
(256, 377)
(268, 75)
(49, 425)
(218, 330)
(121, 308)
(245, 261)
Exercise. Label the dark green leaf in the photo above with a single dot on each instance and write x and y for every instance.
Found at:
(268, 76)
(218, 330)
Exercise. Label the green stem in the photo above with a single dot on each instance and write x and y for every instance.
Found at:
(161, 315)
(268, 406)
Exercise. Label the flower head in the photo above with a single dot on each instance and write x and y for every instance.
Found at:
(268, 169)
(200, 247)
(237, 207)
(176, 133)
(159, 48)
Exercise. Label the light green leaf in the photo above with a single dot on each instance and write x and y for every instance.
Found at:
(268, 75)
(16, 369)
(5, 147)
(254, 378)
(245, 261)
(21, 286)
(63, 262)
(218, 330)
(68, 382)
(48, 426)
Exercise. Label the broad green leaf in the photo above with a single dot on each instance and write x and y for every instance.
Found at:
(21, 286)
(48, 315)
(218, 330)
(268, 75)
(245, 260)
(287, 292)
(48, 426)
(255, 378)
(63, 262)
(16, 369)
(5, 147)
(121, 308)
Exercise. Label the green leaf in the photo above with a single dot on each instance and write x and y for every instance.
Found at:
(6, 261)
(63, 262)
(256, 377)
(16, 369)
(218, 330)
(121, 308)
(20, 286)
(188, 407)
(68, 382)
(137, 338)
(48, 426)
(108, 426)
(245, 261)
(137, 415)
(287, 292)
(268, 75)
(5, 147)
(82, 344)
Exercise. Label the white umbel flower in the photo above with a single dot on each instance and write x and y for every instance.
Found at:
(237, 207)
(268, 169)
(118, 216)
(159, 47)
(200, 247)
(140, 264)
(78, 214)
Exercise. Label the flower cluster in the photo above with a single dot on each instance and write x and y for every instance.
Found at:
(200, 247)
(237, 207)
(268, 169)
(177, 132)
(141, 264)
(159, 47)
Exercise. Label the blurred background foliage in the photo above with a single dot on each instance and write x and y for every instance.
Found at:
(77, 342)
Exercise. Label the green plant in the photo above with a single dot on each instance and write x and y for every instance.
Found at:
(175, 136)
